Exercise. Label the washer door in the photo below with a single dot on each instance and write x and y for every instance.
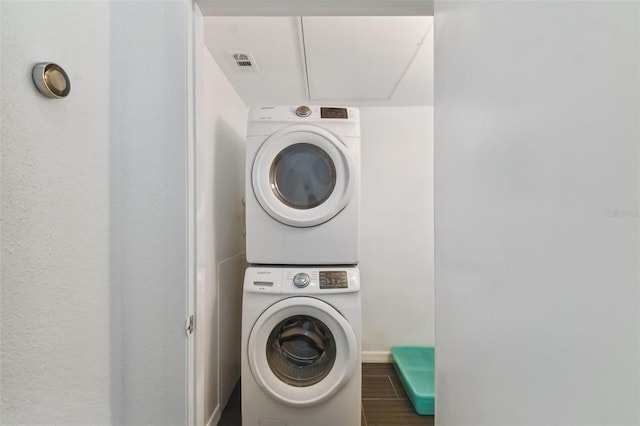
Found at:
(302, 175)
(302, 351)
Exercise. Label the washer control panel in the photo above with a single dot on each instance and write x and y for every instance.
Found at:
(333, 279)
(302, 280)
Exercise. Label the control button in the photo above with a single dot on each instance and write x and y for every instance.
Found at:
(303, 111)
(301, 280)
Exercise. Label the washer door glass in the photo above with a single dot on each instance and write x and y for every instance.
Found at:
(301, 350)
(303, 176)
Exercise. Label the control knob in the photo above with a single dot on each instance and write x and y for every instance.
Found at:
(301, 280)
(303, 111)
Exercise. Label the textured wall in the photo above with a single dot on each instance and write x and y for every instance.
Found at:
(54, 272)
(94, 214)
(396, 262)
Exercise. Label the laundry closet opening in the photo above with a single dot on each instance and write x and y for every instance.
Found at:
(382, 65)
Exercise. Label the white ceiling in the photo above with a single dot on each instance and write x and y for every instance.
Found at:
(351, 61)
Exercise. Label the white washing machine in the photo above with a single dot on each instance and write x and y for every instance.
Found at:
(303, 185)
(301, 334)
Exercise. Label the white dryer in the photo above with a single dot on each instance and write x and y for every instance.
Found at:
(301, 336)
(303, 185)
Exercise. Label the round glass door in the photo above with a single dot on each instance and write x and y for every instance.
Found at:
(302, 175)
(301, 351)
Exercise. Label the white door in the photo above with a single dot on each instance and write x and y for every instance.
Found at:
(302, 175)
(537, 197)
(302, 351)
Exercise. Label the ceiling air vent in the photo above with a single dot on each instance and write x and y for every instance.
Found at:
(245, 62)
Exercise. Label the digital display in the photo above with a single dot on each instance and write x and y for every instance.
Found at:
(333, 279)
(326, 112)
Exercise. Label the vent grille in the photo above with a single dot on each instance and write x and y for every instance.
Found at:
(244, 62)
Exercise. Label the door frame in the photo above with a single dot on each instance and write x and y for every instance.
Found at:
(257, 8)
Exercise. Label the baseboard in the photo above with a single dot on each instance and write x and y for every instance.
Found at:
(215, 417)
(376, 356)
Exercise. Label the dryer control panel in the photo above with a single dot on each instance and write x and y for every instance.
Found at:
(341, 121)
(302, 280)
(334, 112)
(305, 113)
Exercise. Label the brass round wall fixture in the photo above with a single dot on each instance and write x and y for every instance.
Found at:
(51, 80)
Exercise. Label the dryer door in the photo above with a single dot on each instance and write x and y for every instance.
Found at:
(302, 351)
(302, 175)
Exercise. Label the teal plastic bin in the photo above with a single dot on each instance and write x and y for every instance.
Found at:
(415, 366)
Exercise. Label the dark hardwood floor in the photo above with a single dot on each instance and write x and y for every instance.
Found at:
(384, 401)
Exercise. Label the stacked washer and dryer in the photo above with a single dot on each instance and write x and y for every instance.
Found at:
(301, 326)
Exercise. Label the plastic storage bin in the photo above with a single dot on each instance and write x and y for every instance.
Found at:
(416, 370)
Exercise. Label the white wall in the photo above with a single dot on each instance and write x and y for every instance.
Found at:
(94, 215)
(536, 120)
(54, 311)
(221, 119)
(396, 261)
(149, 215)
